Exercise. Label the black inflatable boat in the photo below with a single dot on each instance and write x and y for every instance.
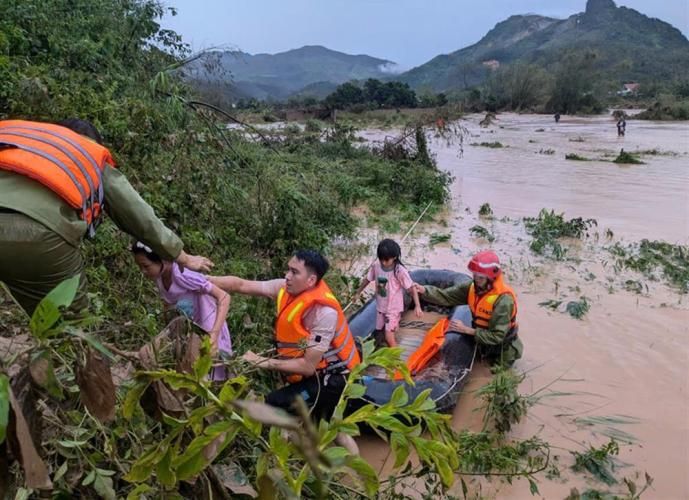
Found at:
(448, 371)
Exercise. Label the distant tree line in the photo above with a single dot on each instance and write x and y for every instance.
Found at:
(372, 94)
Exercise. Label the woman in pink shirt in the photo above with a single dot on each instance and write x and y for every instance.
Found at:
(190, 292)
(391, 279)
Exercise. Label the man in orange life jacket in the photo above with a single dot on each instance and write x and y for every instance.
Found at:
(315, 349)
(493, 306)
(56, 180)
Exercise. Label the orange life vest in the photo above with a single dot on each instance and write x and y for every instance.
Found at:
(481, 306)
(292, 337)
(432, 342)
(67, 163)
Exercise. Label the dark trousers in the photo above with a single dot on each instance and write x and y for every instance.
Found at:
(320, 392)
(34, 260)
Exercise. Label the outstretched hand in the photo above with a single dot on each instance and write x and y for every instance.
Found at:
(252, 358)
(195, 262)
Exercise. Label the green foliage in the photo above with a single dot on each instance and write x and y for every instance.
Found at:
(4, 405)
(373, 94)
(633, 492)
(600, 462)
(492, 145)
(666, 108)
(485, 210)
(516, 87)
(627, 158)
(656, 259)
(575, 157)
(437, 238)
(306, 463)
(573, 88)
(578, 308)
(431, 100)
(504, 405)
(478, 231)
(575, 308)
(548, 227)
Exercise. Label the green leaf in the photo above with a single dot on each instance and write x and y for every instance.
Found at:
(336, 454)
(465, 488)
(399, 396)
(60, 472)
(95, 343)
(104, 487)
(23, 494)
(533, 487)
(137, 492)
(91, 477)
(388, 422)
(164, 471)
(131, 401)
(232, 388)
(204, 362)
(445, 471)
(47, 312)
(400, 447)
(142, 469)
(68, 443)
(4, 405)
(366, 474)
(422, 402)
(193, 461)
(361, 414)
(355, 391)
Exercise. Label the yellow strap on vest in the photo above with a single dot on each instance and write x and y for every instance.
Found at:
(281, 294)
(294, 311)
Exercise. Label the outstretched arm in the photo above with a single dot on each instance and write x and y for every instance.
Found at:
(134, 216)
(362, 287)
(233, 284)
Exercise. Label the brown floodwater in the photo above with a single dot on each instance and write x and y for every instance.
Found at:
(628, 359)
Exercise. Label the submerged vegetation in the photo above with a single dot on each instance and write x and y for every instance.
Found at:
(549, 227)
(478, 231)
(600, 462)
(655, 260)
(492, 145)
(576, 157)
(627, 158)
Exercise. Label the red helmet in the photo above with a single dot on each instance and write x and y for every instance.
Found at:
(485, 262)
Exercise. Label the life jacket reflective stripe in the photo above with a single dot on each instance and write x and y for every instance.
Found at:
(291, 337)
(481, 306)
(67, 163)
(430, 346)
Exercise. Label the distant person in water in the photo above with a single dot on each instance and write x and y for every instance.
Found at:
(557, 117)
(621, 126)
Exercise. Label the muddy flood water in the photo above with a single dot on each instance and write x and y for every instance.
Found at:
(622, 370)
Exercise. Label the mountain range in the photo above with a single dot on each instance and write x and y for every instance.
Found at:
(628, 45)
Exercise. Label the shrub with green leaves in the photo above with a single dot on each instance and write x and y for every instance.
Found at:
(549, 227)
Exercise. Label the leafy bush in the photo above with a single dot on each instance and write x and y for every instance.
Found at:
(627, 158)
(548, 227)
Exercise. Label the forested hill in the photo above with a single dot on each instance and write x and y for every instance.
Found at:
(628, 46)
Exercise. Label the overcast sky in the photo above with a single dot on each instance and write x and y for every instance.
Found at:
(408, 32)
